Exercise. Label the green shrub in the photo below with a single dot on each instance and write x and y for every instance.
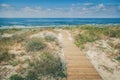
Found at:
(13, 62)
(81, 39)
(5, 56)
(16, 77)
(35, 45)
(50, 38)
(31, 75)
(115, 33)
(118, 58)
(48, 64)
(5, 42)
(18, 38)
(0, 37)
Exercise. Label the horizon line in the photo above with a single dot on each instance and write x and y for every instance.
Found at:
(58, 17)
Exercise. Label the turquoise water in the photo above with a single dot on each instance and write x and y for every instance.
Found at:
(56, 21)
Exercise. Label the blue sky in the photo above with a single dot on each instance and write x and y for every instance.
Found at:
(60, 8)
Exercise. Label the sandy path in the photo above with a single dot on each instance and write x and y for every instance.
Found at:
(78, 66)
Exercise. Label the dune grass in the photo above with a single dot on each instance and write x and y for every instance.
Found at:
(50, 38)
(16, 77)
(35, 45)
(118, 58)
(92, 33)
(46, 65)
(7, 42)
(4, 47)
(9, 31)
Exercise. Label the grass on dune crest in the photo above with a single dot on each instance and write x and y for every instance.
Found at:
(92, 33)
(9, 31)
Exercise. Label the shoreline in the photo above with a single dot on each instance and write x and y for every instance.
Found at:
(56, 26)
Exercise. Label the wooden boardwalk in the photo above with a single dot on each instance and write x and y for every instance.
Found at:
(78, 66)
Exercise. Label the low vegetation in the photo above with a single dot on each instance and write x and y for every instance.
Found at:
(118, 58)
(16, 77)
(9, 31)
(44, 64)
(92, 33)
(47, 65)
(50, 38)
(5, 56)
(35, 45)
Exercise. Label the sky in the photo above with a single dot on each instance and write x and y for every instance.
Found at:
(59, 8)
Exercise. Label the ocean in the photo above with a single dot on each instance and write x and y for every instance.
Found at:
(7, 22)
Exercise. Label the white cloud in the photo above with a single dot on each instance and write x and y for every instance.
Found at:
(99, 10)
(100, 6)
(84, 9)
(82, 4)
(5, 5)
(88, 4)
